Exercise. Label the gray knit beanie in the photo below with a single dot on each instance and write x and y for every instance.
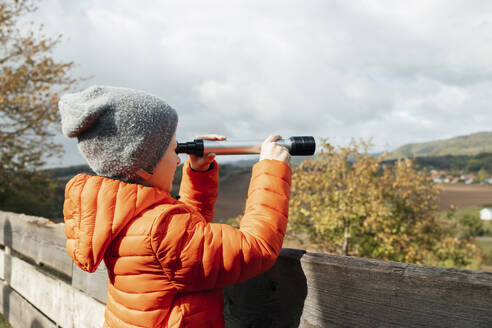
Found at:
(120, 131)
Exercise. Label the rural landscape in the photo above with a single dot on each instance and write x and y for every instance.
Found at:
(461, 201)
(451, 209)
(389, 222)
(419, 203)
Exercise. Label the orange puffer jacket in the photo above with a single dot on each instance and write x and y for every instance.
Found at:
(166, 261)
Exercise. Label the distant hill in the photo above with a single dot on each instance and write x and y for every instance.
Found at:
(463, 163)
(463, 145)
(66, 173)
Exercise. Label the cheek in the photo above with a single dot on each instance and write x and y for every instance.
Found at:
(172, 164)
(172, 161)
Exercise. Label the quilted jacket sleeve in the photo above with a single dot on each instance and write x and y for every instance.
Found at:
(200, 189)
(197, 255)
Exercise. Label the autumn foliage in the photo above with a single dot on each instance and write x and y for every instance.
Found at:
(345, 201)
(30, 80)
(29, 83)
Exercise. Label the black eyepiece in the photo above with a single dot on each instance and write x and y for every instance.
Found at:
(194, 147)
(302, 146)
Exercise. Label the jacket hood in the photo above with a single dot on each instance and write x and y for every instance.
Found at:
(96, 209)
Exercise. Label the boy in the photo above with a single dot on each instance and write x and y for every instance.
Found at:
(166, 261)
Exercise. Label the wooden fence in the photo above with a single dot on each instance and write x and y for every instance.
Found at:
(43, 289)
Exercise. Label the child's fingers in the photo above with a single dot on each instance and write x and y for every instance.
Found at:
(210, 157)
(205, 156)
(272, 138)
(202, 163)
(271, 150)
(212, 137)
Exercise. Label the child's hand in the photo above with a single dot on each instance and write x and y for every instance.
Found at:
(203, 163)
(271, 150)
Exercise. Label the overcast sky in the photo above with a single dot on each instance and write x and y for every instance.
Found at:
(394, 71)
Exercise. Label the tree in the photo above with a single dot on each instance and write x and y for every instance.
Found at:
(30, 80)
(345, 201)
(481, 176)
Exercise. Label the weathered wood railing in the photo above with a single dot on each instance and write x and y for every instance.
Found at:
(43, 289)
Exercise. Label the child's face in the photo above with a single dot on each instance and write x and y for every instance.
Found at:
(163, 174)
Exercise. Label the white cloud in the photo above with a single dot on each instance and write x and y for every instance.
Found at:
(398, 72)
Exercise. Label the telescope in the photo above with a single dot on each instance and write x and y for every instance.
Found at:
(297, 146)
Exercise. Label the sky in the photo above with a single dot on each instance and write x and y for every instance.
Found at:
(395, 72)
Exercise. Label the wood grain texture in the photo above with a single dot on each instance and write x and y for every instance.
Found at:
(63, 304)
(35, 238)
(19, 312)
(354, 292)
(93, 284)
(300, 290)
